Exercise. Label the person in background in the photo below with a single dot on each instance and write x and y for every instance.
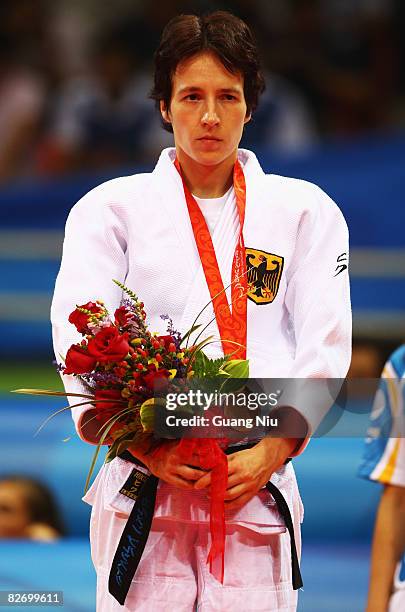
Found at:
(101, 119)
(384, 462)
(22, 98)
(367, 359)
(28, 510)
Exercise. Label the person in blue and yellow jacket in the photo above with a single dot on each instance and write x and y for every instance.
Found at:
(384, 462)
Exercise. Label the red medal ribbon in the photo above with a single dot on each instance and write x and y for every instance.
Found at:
(232, 326)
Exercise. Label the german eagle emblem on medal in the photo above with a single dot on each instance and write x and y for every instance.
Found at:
(263, 275)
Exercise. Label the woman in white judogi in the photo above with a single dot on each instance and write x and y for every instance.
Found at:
(137, 229)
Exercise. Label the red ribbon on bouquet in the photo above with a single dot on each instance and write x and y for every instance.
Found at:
(213, 458)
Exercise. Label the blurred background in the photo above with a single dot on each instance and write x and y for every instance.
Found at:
(74, 111)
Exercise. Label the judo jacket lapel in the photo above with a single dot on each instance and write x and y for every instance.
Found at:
(224, 239)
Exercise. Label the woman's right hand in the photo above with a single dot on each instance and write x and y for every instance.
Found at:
(166, 463)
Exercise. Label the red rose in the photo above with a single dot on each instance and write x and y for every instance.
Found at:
(123, 316)
(80, 320)
(78, 360)
(155, 378)
(108, 394)
(109, 345)
(107, 409)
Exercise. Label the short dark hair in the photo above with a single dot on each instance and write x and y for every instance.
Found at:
(221, 33)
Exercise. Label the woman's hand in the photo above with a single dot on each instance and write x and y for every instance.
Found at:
(167, 464)
(249, 470)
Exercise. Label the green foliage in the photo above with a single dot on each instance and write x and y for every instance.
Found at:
(128, 291)
(236, 368)
(119, 446)
(188, 334)
(147, 414)
(204, 367)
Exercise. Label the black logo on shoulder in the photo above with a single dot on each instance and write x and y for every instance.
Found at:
(341, 264)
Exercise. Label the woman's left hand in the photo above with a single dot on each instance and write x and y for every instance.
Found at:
(250, 469)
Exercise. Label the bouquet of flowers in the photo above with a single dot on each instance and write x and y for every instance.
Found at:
(120, 362)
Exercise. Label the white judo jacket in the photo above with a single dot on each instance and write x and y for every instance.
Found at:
(137, 229)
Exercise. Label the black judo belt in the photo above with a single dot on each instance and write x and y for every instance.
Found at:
(143, 489)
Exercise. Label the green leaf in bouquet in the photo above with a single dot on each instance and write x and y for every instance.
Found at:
(236, 372)
(214, 366)
(141, 437)
(54, 414)
(118, 446)
(130, 439)
(50, 392)
(204, 367)
(116, 417)
(148, 410)
(236, 368)
(112, 451)
(203, 329)
(200, 364)
(147, 414)
(107, 426)
(123, 443)
(188, 334)
(94, 461)
(195, 350)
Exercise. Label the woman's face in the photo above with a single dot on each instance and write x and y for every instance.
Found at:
(14, 515)
(207, 110)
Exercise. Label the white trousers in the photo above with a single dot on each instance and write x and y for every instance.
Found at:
(173, 573)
